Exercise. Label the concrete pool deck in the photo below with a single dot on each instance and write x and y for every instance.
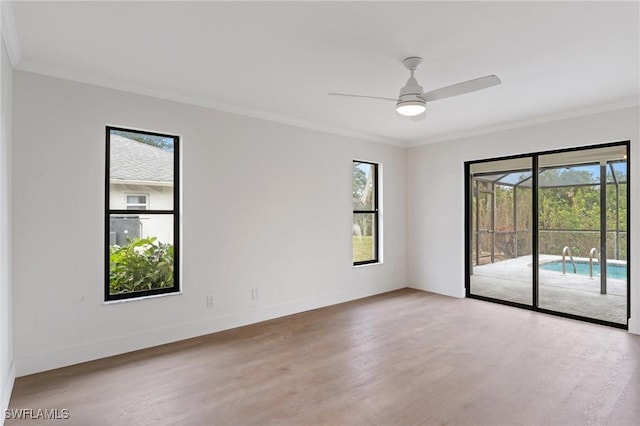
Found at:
(574, 294)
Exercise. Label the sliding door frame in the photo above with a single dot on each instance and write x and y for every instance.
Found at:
(468, 242)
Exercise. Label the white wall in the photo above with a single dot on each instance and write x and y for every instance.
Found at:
(265, 205)
(436, 188)
(7, 371)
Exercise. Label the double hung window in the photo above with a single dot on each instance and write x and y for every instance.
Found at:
(141, 219)
(365, 213)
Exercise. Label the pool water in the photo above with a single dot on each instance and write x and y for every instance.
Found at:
(616, 271)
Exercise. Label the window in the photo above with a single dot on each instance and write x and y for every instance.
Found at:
(141, 242)
(365, 213)
(137, 201)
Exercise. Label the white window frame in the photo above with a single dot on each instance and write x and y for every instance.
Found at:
(136, 205)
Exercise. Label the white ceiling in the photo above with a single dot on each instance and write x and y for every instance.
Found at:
(279, 60)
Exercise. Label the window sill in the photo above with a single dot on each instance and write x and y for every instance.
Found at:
(366, 265)
(136, 299)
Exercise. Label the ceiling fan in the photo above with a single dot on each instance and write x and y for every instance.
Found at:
(412, 100)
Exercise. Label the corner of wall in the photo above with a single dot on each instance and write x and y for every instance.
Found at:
(7, 364)
(7, 387)
(9, 33)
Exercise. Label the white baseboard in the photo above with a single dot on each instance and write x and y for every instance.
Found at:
(443, 290)
(63, 357)
(7, 388)
(634, 325)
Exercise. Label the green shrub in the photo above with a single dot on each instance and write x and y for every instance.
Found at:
(142, 264)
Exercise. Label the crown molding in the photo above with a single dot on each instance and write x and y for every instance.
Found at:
(205, 103)
(10, 34)
(320, 127)
(622, 104)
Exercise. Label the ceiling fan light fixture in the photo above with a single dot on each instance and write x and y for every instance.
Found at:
(411, 107)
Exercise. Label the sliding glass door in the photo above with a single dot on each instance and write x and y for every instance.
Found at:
(581, 237)
(548, 232)
(500, 224)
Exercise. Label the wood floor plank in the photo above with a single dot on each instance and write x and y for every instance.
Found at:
(402, 358)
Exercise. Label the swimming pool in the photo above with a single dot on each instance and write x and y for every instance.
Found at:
(614, 270)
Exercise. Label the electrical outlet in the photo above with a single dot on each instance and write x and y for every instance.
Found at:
(209, 302)
(254, 294)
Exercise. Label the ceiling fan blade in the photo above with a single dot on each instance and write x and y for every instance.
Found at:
(363, 96)
(462, 88)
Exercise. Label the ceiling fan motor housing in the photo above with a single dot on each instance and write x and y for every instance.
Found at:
(410, 101)
(410, 97)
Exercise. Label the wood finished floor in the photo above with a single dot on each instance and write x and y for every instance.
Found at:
(401, 358)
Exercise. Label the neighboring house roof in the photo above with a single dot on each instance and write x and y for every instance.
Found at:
(136, 161)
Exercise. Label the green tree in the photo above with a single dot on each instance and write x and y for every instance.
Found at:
(359, 182)
(568, 214)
